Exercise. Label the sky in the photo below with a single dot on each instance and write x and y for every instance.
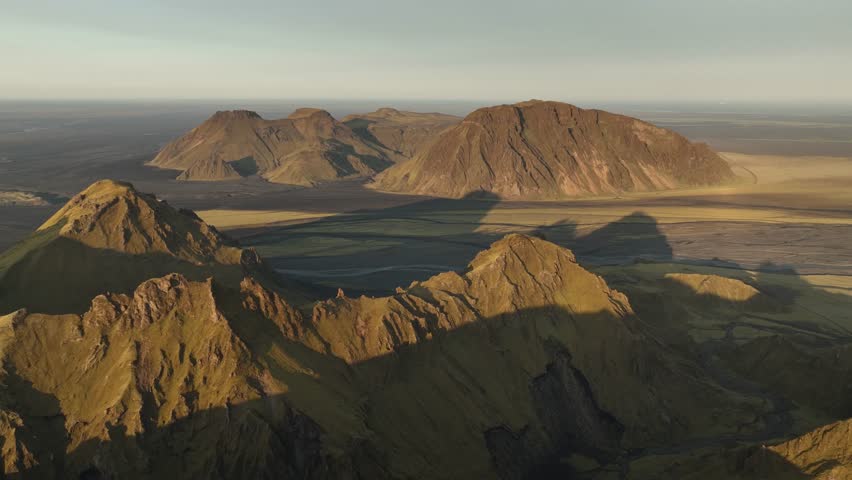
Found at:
(614, 50)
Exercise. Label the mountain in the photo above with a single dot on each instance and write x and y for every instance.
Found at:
(110, 238)
(306, 148)
(401, 134)
(522, 365)
(520, 360)
(538, 149)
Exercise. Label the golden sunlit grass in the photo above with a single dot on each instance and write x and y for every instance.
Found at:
(787, 190)
(224, 218)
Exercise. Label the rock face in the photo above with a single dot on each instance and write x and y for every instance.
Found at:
(540, 149)
(110, 238)
(308, 147)
(402, 134)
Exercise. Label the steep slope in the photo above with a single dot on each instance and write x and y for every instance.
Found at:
(520, 360)
(307, 147)
(540, 149)
(401, 134)
(110, 238)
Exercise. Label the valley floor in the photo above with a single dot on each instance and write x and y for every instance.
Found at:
(792, 216)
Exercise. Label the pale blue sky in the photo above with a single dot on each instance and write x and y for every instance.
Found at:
(720, 50)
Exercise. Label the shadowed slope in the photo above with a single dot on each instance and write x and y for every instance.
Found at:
(541, 149)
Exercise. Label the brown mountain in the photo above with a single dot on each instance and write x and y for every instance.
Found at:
(307, 147)
(540, 149)
(402, 134)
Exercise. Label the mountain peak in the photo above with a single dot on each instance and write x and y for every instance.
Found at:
(525, 270)
(94, 197)
(113, 215)
(109, 238)
(524, 247)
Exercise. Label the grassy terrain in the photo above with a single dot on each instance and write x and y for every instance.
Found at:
(224, 218)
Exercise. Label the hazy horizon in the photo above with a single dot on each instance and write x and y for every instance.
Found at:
(478, 51)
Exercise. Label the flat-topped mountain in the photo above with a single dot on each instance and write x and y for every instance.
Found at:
(539, 149)
(307, 147)
(402, 134)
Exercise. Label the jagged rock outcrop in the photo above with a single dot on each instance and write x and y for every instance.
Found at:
(402, 134)
(307, 147)
(148, 385)
(537, 149)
